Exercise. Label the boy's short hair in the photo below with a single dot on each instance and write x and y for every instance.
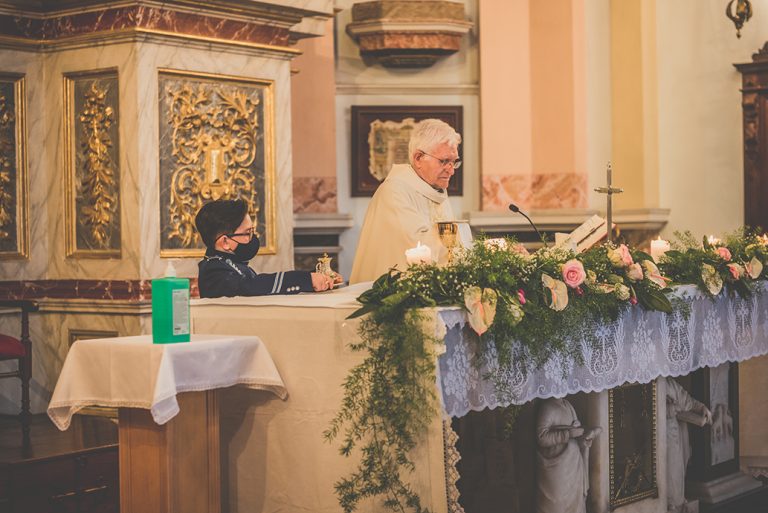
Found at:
(219, 217)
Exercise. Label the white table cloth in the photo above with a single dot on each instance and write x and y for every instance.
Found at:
(343, 297)
(135, 373)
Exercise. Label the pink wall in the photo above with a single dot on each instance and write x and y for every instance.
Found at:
(313, 91)
(533, 104)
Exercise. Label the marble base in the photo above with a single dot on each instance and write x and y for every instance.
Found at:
(723, 488)
(690, 507)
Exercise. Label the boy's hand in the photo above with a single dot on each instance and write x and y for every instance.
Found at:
(321, 282)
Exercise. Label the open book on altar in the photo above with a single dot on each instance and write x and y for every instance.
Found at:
(585, 236)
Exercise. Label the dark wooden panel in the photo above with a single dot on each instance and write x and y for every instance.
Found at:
(755, 121)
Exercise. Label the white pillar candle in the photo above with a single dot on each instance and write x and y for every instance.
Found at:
(658, 248)
(418, 255)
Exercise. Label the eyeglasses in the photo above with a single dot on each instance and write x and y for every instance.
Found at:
(456, 164)
(250, 233)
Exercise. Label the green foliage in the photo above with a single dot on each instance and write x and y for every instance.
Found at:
(548, 302)
(686, 262)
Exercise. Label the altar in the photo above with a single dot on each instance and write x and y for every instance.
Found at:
(274, 456)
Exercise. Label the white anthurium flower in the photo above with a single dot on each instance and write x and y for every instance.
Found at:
(481, 304)
(557, 298)
(653, 274)
(754, 268)
(711, 279)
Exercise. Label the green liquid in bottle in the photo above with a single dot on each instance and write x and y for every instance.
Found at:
(170, 309)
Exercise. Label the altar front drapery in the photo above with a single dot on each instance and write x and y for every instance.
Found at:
(639, 347)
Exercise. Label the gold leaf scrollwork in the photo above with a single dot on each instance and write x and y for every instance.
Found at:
(214, 145)
(97, 185)
(7, 181)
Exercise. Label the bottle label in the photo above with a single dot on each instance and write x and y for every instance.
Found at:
(180, 308)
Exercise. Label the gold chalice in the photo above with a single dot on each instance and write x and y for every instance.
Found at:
(449, 233)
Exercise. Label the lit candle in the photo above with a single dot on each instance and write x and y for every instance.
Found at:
(418, 255)
(658, 248)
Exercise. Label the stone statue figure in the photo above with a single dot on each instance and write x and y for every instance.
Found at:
(563, 458)
(682, 409)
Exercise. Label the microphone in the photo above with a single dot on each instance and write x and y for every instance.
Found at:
(514, 208)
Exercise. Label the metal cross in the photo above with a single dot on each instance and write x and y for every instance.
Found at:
(610, 191)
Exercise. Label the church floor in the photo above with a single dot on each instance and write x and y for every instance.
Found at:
(74, 471)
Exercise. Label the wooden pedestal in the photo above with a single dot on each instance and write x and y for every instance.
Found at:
(173, 468)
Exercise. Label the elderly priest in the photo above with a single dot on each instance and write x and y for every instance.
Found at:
(408, 204)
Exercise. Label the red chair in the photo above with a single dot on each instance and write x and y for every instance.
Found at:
(20, 350)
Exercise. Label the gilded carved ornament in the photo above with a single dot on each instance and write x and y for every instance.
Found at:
(97, 184)
(214, 144)
(92, 189)
(7, 183)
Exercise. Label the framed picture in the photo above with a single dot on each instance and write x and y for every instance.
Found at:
(632, 443)
(14, 208)
(716, 447)
(380, 137)
(216, 141)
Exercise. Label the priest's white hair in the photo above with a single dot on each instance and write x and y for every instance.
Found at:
(430, 133)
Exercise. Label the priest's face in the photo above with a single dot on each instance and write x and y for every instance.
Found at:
(428, 164)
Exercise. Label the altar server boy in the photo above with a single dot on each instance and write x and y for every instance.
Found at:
(231, 240)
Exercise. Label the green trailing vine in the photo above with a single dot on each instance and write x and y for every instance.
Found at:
(546, 301)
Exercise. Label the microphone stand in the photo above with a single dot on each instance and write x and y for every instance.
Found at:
(514, 208)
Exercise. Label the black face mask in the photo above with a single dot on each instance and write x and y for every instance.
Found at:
(244, 252)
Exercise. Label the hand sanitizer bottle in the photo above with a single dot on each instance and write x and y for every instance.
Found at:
(170, 308)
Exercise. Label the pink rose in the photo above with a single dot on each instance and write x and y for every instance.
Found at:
(723, 253)
(635, 272)
(521, 296)
(735, 270)
(620, 257)
(633, 300)
(573, 273)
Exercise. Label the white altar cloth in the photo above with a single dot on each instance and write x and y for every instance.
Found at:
(638, 348)
(135, 373)
(344, 297)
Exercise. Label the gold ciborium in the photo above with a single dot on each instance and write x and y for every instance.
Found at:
(449, 235)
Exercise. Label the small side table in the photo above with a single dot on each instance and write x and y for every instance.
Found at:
(167, 401)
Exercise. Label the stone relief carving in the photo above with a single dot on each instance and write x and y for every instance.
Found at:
(563, 458)
(216, 139)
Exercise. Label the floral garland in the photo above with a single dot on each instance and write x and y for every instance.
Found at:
(540, 300)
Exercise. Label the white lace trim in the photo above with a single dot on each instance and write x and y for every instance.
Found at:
(639, 347)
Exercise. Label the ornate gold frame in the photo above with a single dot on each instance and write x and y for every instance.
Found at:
(270, 247)
(654, 491)
(70, 197)
(22, 176)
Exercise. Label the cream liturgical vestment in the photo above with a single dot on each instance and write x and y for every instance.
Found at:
(402, 213)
